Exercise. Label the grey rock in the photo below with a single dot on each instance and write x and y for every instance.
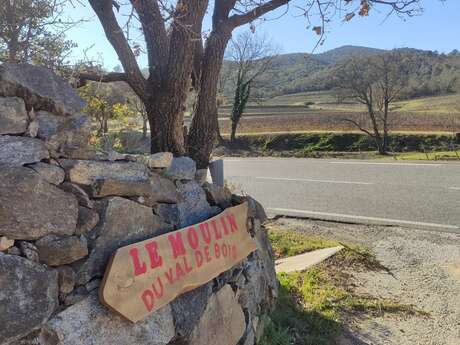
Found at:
(79, 193)
(115, 156)
(89, 323)
(181, 168)
(222, 309)
(162, 190)
(40, 88)
(201, 175)
(21, 150)
(32, 129)
(66, 279)
(76, 296)
(122, 222)
(29, 251)
(13, 116)
(5, 243)
(120, 187)
(87, 220)
(56, 250)
(260, 287)
(31, 208)
(30, 339)
(28, 296)
(86, 173)
(219, 196)
(265, 252)
(93, 285)
(64, 136)
(256, 210)
(194, 208)
(123, 179)
(159, 160)
(14, 251)
(50, 172)
(168, 212)
(188, 309)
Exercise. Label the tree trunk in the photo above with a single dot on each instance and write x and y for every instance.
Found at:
(385, 126)
(220, 139)
(105, 125)
(380, 147)
(205, 122)
(380, 143)
(165, 114)
(144, 126)
(13, 51)
(233, 132)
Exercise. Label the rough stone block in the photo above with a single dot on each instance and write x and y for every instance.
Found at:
(28, 296)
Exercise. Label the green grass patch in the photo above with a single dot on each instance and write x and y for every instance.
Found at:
(437, 155)
(314, 306)
(288, 243)
(320, 144)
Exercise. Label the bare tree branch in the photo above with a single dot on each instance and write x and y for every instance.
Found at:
(241, 19)
(84, 77)
(114, 33)
(156, 37)
(362, 129)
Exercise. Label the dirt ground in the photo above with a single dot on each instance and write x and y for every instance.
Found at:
(423, 271)
(334, 121)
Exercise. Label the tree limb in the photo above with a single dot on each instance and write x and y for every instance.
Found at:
(359, 127)
(84, 77)
(114, 33)
(241, 19)
(155, 34)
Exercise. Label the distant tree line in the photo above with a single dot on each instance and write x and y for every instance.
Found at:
(430, 74)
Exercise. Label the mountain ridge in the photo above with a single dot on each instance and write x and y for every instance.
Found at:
(433, 73)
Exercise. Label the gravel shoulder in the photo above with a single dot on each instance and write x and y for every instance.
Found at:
(423, 271)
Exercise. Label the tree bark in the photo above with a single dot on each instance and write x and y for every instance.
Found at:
(165, 114)
(144, 126)
(233, 131)
(105, 125)
(13, 51)
(204, 126)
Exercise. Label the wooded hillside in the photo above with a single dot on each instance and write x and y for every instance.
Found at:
(431, 73)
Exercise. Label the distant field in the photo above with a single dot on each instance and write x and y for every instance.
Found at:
(326, 100)
(288, 113)
(334, 121)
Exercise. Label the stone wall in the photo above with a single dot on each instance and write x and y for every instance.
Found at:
(64, 209)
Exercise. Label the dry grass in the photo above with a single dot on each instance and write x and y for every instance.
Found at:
(316, 305)
(334, 121)
(288, 113)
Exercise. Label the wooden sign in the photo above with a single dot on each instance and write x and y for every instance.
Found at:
(144, 276)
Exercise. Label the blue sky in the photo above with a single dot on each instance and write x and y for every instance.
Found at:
(438, 28)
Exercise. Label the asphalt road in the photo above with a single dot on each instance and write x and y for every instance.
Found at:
(412, 194)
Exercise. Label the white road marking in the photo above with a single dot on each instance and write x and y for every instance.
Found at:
(382, 163)
(312, 180)
(364, 218)
(455, 188)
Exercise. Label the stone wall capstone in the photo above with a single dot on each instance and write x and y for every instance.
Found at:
(65, 208)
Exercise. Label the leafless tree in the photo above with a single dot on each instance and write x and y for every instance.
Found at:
(375, 82)
(181, 56)
(250, 55)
